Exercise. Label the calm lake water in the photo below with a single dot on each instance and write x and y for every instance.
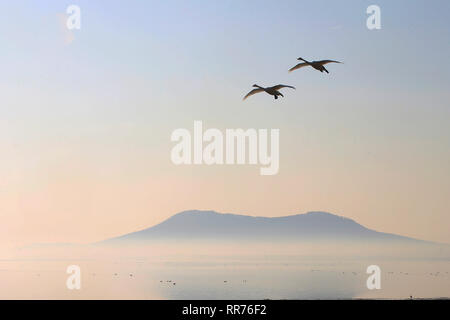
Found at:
(214, 277)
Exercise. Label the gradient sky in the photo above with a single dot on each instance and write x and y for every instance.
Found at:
(86, 116)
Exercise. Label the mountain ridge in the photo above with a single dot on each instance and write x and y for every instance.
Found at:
(212, 225)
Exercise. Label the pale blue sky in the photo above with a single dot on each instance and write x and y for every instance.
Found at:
(139, 69)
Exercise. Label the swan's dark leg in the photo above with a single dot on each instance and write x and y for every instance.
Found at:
(275, 96)
(325, 70)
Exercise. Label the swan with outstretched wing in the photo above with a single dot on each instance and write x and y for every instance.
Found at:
(274, 91)
(318, 65)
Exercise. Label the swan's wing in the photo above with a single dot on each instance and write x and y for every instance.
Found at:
(280, 86)
(254, 91)
(298, 66)
(322, 62)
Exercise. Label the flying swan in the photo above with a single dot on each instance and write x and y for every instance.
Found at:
(318, 65)
(270, 90)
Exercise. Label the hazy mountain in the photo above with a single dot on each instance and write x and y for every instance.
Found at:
(213, 226)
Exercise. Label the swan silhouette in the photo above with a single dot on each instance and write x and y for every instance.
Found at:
(270, 90)
(318, 65)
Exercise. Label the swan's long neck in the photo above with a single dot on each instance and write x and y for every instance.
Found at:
(258, 86)
(304, 60)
